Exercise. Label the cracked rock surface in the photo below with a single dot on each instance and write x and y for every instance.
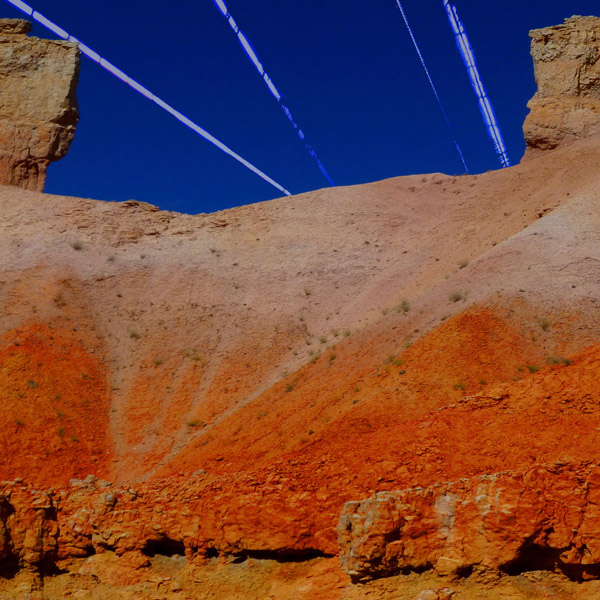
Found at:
(540, 518)
(38, 106)
(566, 106)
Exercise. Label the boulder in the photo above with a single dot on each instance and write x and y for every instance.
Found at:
(544, 518)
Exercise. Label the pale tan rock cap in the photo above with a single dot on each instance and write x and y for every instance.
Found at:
(38, 105)
(566, 107)
(14, 27)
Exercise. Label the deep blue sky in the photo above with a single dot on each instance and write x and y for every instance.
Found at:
(346, 68)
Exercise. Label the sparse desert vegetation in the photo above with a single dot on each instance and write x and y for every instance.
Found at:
(204, 426)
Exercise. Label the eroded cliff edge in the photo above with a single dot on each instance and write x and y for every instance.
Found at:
(566, 107)
(38, 105)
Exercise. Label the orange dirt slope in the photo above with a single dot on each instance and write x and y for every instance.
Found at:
(245, 335)
(54, 409)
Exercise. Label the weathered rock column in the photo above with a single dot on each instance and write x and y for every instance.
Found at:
(566, 106)
(38, 105)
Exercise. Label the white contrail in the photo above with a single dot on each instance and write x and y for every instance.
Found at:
(142, 90)
(485, 106)
(437, 97)
(252, 56)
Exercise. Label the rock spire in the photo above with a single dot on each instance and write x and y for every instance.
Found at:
(38, 106)
(566, 106)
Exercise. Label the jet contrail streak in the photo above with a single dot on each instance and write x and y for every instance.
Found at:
(253, 57)
(142, 90)
(435, 93)
(485, 106)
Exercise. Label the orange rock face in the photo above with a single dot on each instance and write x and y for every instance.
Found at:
(28, 529)
(39, 107)
(545, 518)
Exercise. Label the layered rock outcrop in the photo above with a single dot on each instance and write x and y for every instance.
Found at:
(40, 528)
(38, 106)
(566, 106)
(542, 518)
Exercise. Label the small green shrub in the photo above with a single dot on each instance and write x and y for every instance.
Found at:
(193, 423)
(290, 388)
(456, 296)
(347, 333)
(61, 432)
(403, 307)
(557, 360)
(533, 368)
(462, 264)
(544, 324)
(460, 386)
(76, 245)
(32, 384)
(134, 335)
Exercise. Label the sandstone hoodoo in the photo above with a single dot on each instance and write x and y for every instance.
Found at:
(38, 111)
(566, 106)
(188, 403)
